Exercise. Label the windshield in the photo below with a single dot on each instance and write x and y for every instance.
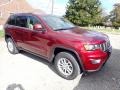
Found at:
(58, 23)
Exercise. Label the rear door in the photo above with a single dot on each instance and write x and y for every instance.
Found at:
(20, 27)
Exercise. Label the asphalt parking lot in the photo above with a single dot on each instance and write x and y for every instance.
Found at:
(27, 72)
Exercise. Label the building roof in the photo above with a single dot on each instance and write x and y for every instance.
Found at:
(4, 2)
(15, 6)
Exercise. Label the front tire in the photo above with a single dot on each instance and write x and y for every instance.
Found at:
(66, 65)
(12, 47)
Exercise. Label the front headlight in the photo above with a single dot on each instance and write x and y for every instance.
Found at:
(90, 47)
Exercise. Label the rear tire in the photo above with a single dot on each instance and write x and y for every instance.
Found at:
(12, 47)
(66, 65)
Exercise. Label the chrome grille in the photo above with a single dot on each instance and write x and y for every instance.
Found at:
(105, 46)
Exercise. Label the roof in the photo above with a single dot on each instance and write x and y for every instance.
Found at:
(30, 13)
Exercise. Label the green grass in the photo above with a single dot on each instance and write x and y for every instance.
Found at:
(1, 34)
(107, 31)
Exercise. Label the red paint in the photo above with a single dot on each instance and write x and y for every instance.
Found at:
(43, 43)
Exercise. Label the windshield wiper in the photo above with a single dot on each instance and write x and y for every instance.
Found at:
(64, 29)
(60, 29)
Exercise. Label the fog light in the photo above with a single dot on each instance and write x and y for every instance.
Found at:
(95, 61)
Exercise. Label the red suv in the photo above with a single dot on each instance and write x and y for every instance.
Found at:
(70, 48)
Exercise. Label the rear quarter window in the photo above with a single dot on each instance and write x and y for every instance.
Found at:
(11, 20)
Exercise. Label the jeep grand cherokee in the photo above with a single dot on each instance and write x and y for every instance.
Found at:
(70, 48)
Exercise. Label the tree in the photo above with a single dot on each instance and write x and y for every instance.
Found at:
(84, 12)
(115, 16)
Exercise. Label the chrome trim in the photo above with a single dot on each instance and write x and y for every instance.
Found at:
(104, 46)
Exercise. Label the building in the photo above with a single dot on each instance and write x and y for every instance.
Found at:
(14, 6)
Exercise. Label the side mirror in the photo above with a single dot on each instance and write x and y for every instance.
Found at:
(38, 27)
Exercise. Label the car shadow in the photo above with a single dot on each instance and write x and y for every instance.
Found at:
(39, 59)
(108, 78)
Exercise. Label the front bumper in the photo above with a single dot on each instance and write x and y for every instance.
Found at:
(89, 57)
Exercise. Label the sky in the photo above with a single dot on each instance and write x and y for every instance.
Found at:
(60, 5)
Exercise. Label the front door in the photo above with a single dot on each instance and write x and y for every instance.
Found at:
(35, 41)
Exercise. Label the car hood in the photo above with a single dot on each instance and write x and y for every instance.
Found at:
(83, 35)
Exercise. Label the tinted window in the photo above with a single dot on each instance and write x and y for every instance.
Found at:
(21, 21)
(11, 20)
(32, 21)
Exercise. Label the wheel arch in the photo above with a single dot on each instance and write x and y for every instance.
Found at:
(7, 36)
(57, 50)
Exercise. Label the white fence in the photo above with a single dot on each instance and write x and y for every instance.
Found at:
(102, 27)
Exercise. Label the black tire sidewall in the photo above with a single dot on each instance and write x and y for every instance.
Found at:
(72, 59)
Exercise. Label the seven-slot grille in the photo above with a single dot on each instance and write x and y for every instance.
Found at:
(104, 46)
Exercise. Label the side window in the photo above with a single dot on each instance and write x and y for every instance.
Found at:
(11, 20)
(21, 21)
(32, 21)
